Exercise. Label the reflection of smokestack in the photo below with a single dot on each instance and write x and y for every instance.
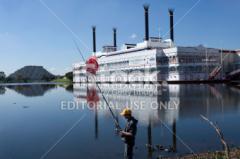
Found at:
(96, 123)
(174, 136)
(146, 7)
(171, 11)
(94, 39)
(149, 133)
(115, 38)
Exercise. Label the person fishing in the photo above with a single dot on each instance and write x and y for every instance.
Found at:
(129, 133)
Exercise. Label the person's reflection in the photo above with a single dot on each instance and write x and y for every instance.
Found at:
(129, 133)
(92, 100)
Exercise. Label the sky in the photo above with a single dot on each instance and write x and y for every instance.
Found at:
(41, 32)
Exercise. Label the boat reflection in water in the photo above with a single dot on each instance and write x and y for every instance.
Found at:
(146, 101)
(150, 104)
(163, 107)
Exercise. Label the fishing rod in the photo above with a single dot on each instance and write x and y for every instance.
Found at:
(110, 109)
(104, 98)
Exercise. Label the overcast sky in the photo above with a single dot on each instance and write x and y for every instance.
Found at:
(35, 32)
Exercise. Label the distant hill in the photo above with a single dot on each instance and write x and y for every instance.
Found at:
(31, 74)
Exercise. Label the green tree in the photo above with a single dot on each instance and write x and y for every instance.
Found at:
(69, 75)
(2, 76)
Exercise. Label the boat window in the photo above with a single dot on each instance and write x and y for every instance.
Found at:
(152, 59)
(173, 69)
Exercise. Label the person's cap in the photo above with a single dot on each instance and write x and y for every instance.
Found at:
(126, 111)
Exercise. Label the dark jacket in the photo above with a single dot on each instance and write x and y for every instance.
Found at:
(132, 128)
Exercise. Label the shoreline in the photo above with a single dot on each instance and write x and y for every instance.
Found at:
(234, 153)
(31, 83)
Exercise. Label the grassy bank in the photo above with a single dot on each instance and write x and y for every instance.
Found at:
(234, 154)
(62, 80)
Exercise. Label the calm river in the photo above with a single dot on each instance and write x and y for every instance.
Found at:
(73, 122)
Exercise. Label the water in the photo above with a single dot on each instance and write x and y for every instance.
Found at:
(53, 121)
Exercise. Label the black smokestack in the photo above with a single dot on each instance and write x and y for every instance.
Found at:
(94, 39)
(146, 7)
(171, 11)
(115, 38)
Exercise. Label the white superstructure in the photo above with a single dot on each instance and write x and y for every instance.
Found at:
(153, 60)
